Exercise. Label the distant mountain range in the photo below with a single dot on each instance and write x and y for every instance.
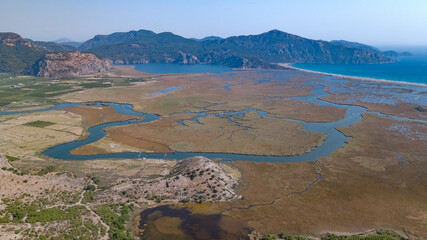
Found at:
(252, 51)
(208, 38)
(66, 41)
(53, 46)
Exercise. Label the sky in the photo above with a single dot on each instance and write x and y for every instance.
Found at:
(375, 22)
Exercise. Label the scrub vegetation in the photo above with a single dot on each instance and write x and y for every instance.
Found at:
(40, 124)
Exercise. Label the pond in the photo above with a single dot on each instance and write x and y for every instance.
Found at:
(166, 222)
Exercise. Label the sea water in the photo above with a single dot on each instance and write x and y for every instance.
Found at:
(411, 69)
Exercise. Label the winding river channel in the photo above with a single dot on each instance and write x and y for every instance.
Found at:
(334, 140)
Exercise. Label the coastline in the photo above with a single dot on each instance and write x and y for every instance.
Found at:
(289, 65)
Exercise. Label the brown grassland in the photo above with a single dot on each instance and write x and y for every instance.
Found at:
(364, 185)
(98, 115)
(377, 180)
(401, 108)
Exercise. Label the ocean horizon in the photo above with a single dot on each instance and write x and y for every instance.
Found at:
(410, 69)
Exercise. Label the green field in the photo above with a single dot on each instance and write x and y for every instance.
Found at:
(18, 91)
(40, 124)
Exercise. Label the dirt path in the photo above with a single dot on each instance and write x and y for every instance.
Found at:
(95, 217)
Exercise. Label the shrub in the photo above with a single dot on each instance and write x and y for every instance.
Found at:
(270, 237)
(40, 124)
(116, 217)
(90, 188)
(88, 197)
(11, 159)
(47, 170)
(96, 180)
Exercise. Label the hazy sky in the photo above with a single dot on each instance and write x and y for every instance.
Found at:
(376, 22)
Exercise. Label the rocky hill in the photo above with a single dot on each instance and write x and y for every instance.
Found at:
(13, 40)
(17, 54)
(253, 51)
(69, 64)
(196, 179)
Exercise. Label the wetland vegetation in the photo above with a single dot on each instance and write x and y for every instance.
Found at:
(110, 194)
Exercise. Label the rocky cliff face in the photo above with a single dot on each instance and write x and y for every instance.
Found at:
(70, 64)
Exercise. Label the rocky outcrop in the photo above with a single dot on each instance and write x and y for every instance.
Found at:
(196, 179)
(187, 58)
(4, 162)
(70, 64)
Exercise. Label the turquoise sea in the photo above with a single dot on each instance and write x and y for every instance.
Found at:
(411, 69)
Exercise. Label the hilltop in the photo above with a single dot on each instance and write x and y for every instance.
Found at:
(17, 54)
(195, 179)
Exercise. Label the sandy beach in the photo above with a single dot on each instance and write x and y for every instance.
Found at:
(289, 65)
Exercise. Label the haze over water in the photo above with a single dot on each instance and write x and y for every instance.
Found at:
(411, 69)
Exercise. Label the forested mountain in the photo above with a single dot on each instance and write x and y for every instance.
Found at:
(241, 51)
(253, 51)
